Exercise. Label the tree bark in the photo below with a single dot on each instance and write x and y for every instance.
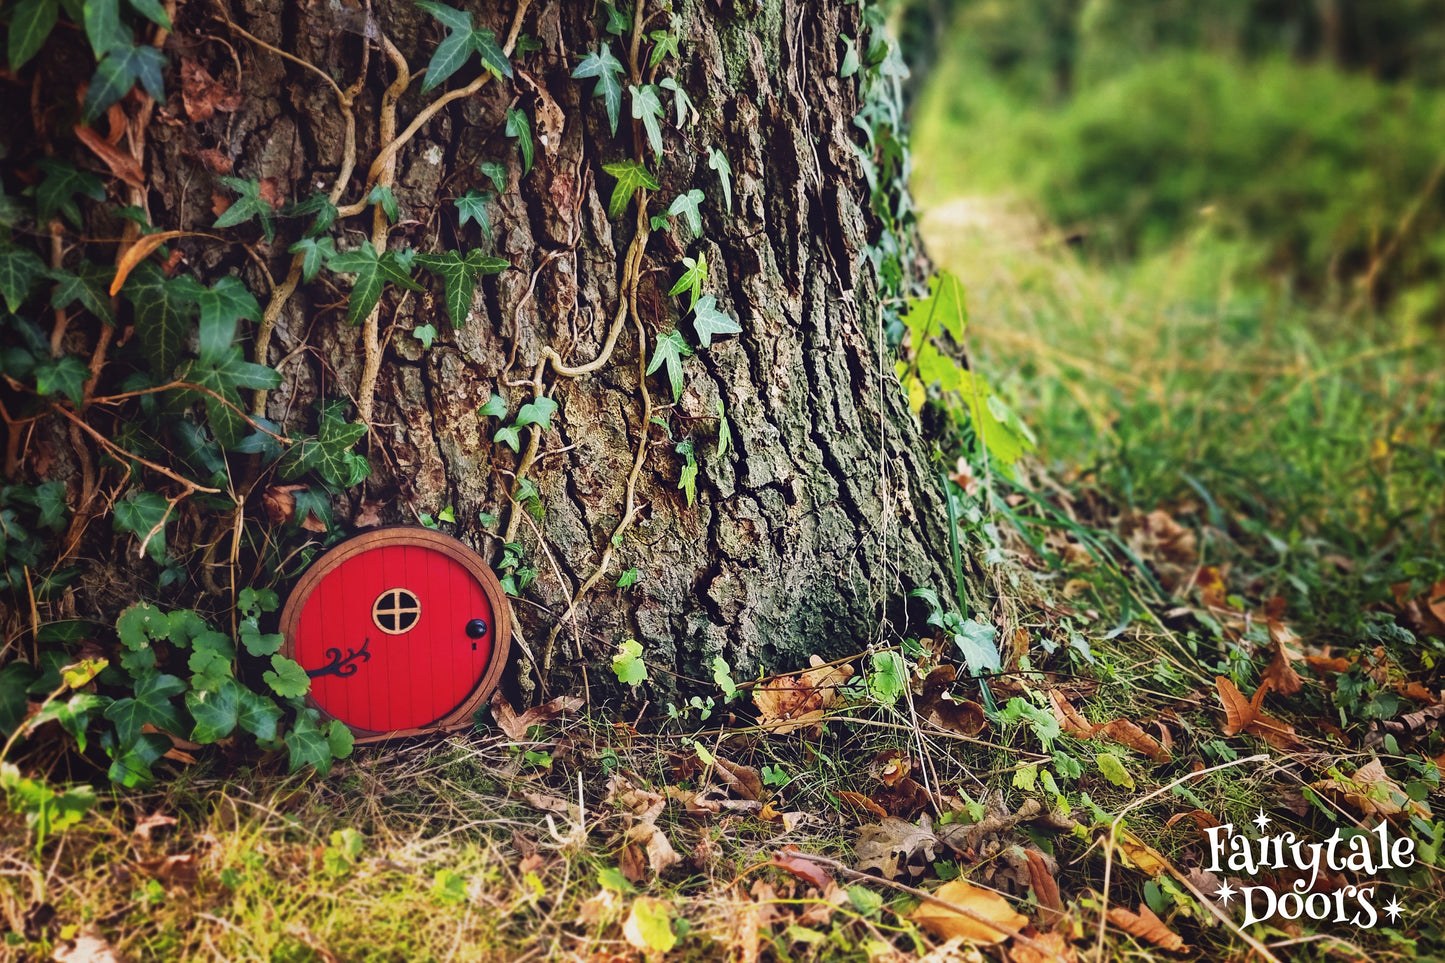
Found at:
(808, 533)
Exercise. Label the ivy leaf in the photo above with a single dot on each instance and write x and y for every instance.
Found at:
(30, 24)
(630, 175)
(89, 284)
(724, 432)
(131, 765)
(520, 127)
(257, 714)
(382, 194)
(20, 268)
(629, 578)
(496, 407)
(210, 663)
(472, 206)
(307, 744)
(216, 711)
(118, 71)
(627, 663)
(371, 271)
(426, 334)
(140, 513)
(497, 173)
(618, 21)
(707, 321)
(460, 276)
(250, 204)
(460, 42)
(647, 107)
(222, 305)
(64, 375)
(151, 704)
(681, 102)
(224, 374)
(606, 68)
(287, 679)
(510, 437)
(671, 349)
(694, 278)
(103, 27)
(318, 204)
(851, 62)
(329, 454)
(315, 252)
(687, 205)
(339, 739)
(56, 192)
(152, 11)
(538, 412)
(718, 161)
(665, 43)
(687, 483)
(162, 310)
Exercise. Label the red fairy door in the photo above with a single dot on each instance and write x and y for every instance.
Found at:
(399, 630)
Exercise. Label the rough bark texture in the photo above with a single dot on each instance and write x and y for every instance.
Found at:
(825, 512)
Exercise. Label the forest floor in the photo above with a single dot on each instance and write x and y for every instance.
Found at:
(1221, 584)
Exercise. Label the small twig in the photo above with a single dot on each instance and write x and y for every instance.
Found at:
(201, 389)
(191, 487)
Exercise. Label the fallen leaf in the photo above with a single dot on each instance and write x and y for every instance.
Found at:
(1146, 926)
(1202, 819)
(202, 95)
(122, 164)
(1141, 855)
(793, 702)
(862, 802)
(549, 117)
(649, 925)
(1416, 692)
(1069, 718)
(986, 917)
(1127, 733)
(1373, 792)
(174, 872)
(742, 780)
(599, 909)
(150, 824)
(895, 848)
(1045, 887)
(1325, 665)
(801, 867)
(1056, 949)
(89, 947)
(1245, 716)
(1281, 674)
(215, 161)
(516, 726)
(139, 251)
(937, 706)
(279, 501)
(891, 765)
(1212, 591)
(368, 515)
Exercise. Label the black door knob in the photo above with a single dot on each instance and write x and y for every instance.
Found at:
(476, 628)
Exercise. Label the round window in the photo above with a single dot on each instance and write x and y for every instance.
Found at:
(395, 611)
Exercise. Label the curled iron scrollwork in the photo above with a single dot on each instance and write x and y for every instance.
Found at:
(343, 666)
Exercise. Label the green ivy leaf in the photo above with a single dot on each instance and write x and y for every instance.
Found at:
(151, 704)
(851, 62)
(372, 270)
(519, 127)
(681, 102)
(329, 454)
(118, 71)
(460, 276)
(163, 310)
(687, 483)
(318, 204)
(103, 27)
(339, 739)
(665, 44)
(140, 513)
(606, 68)
(498, 174)
(687, 206)
(888, 679)
(315, 252)
(250, 204)
(647, 107)
(619, 21)
(307, 745)
(64, 375)
(152, 11)
(718, 161)
(257, 714)
(722, 675)
(216, 711)
(426, 334)
(211, 662)
(631, 176)
(287, 679)
(671, 349)
(496, 407)
(20, 268)
(629, 578)
(708, 321)
(131, 765)
(510, 437)
(977, 642)
(461, 41)
(30, 25)
(692, 279)
(538, 412)
(56, 192)
(382, 194)
(89, 284)
(472, 206)
(141, 624)
(222, 305)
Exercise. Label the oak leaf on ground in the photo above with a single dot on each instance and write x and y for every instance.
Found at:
(792, 702)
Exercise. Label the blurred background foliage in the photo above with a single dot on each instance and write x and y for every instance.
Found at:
(1203, 245)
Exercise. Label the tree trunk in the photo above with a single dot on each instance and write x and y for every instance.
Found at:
(807, 533)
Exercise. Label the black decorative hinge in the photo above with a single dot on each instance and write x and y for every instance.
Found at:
(340, 666)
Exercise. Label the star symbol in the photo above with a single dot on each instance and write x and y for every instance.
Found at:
(1261, 820)
(1394, 908)
(1225, 893)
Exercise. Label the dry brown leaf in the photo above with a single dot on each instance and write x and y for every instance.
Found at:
(1129, 734)
(151, 823)
(1070, 720)
(1325, 665)
(1416, 692)
(516, 726)
(1045, 887)
(122, 164)
(1243, 715)
(139, 251)
(1146, 926)
(891, 766)
(202, 95)
(937, 706)
(1212, 591)
(906, 800)
(862, 802)
(549, 117)
(742, 780)
(1144, 857)
(1056, 948)
(599, 909)
(368, 514)
(1202, 819)
(654, 842)
(789, 703)
(1281, 673)
(803, 868)
(1373, 792)
(174, 872)
(988, 917)
(895, 848)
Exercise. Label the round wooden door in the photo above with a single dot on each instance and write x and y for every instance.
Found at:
(401, 630)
